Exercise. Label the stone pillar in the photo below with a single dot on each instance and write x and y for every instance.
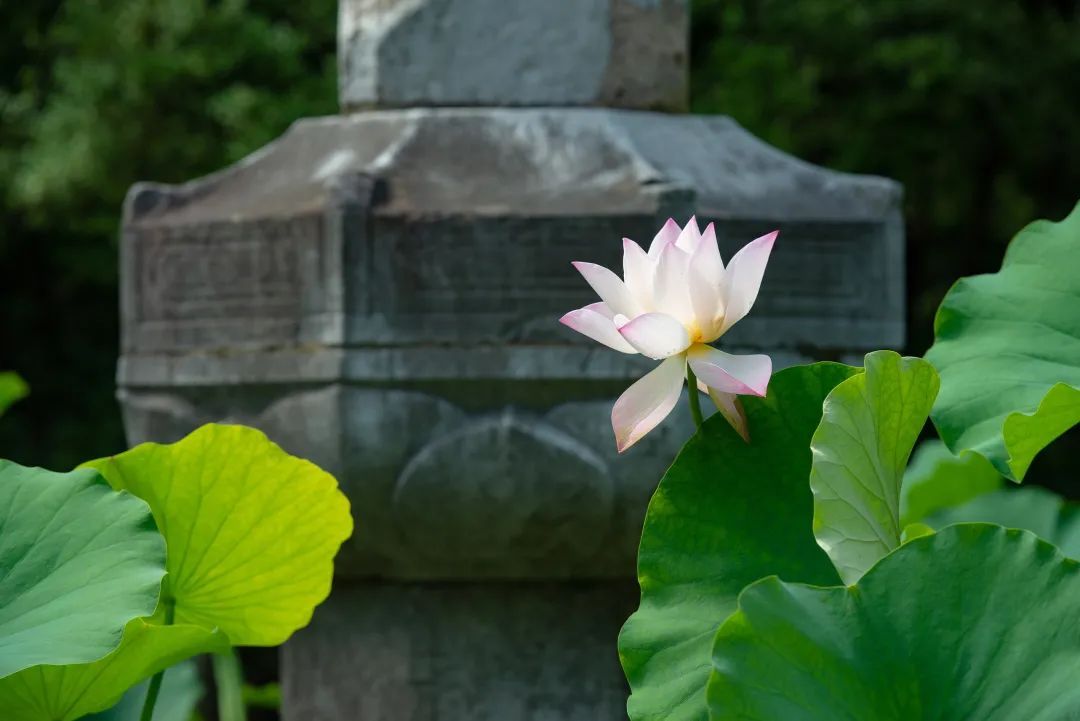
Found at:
(615, 53)
(379, 291)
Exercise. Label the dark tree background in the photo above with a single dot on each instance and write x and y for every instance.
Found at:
(973, 105)
(94, 95)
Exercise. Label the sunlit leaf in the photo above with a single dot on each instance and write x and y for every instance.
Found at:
(1008, 350)
(860, 450)
(726, 514)
(252, 531)
(78, 561)
(66, 693)
(972, 622)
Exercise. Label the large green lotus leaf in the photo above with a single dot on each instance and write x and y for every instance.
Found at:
(860, 450)
(727, 513)
(1043, 512)
(973, 622)
(936, 479)
(1008, 350)
(181, 690)
(12, 388)
(251, 531)
(941, 489)
(77, 562)
(65, 693)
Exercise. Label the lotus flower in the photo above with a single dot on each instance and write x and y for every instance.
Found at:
(670, 304)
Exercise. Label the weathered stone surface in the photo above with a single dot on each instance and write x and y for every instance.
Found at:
(619, 53)
(504, 489)
(379, 293)
(461, 652)
(445, 493)
(370, 231)
(376, 305)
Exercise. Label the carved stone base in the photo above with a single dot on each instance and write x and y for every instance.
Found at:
(461, 652)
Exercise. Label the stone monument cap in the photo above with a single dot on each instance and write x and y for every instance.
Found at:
(615, 53)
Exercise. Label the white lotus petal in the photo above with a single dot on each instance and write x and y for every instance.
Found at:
(706, 283)
(647, 402)
(742, 279)
(667, 236)
(671, 291)
(638, 273)
(689, 237)
(597, 322)
(656, 335)
(707, 255)
(740, 374)
(610, 288)
(730, 407)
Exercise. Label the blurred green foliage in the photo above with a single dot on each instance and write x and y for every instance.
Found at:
(12, 388)
(95, 95)
(971, 105)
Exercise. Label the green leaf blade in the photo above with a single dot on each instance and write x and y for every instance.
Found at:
(1043, 512)
(66, 693)
(860, 450)
(936, 479)
(1008, 350)
(252, 531)
(901, 645)
(78, 561)
(725, 514)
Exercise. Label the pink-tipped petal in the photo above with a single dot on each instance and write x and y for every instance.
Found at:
(689, 237)
(731, 408)
(646, 403)
(610, 288)
(596, 321)
(739, 374)
(671, 292)
(667, 236)
(705, 284)
(707, 255)
(638, 273)
(742, 279)
(656, 335)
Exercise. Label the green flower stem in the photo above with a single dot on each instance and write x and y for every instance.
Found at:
(155, 683)
(695, 397)
(229, 680)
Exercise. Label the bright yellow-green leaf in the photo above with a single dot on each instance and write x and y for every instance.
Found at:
(251, 531)
(65, 693)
